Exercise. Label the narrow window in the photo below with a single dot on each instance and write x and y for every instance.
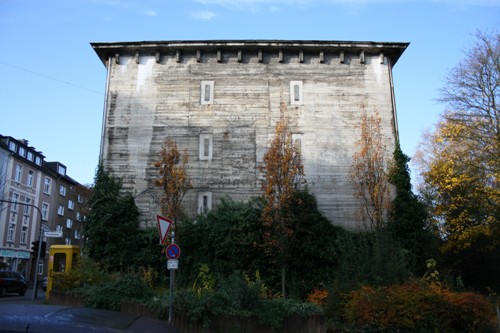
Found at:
(29, 182)
(204, 202)
(206, 147)
(10, 232)
(207, 92)
(38, 160)
(30, 156)
(24, 233)
(296, 93)
(12, 146)
(62, 190)
(45, 211)
(60, 210)
(19, 173)
(69, 223)
(77, 234)
(71, 205)
(26, 207)
(47, 185)
(15, 198)
(59, 228)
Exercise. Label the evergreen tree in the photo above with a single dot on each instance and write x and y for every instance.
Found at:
(408, 215)
(111, 228)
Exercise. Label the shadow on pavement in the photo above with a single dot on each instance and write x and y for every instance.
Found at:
(59, 319)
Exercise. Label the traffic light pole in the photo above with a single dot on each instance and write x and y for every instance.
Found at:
(40, 238)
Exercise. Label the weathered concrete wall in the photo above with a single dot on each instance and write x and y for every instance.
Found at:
(150, 98)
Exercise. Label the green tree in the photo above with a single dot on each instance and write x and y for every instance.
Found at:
(408, 217)
(224, 240)
(112, 224)
(284, 169)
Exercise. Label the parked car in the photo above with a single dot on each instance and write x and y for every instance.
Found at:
(12, 282)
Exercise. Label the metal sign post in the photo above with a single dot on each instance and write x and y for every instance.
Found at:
(172, 265)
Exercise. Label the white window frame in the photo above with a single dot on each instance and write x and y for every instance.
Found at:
(61, 170)
(60, 210)
(77, 234)
(22, 151)
(47, 185)
(26, 209)
(62, 190)
(12, 146)
(31, 176)
(30, 156)
(205, 155)
(10, 232)
(38, 160)
(59, 228)
(24, 234)
(15, 199)
(296, 93)
(45, 211)
(19, 173)
(78, 216)
(207, 98)
(71, 205)
(204, 202)
(69, 223)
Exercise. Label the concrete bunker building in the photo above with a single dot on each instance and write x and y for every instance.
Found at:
(220, 99)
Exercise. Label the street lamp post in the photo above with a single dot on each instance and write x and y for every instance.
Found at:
(35, 293)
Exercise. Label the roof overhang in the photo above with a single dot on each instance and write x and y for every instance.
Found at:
(107, 49)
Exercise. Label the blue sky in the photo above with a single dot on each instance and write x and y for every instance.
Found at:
(52, 83)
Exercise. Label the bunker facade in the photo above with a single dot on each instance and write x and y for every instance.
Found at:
(220, 100)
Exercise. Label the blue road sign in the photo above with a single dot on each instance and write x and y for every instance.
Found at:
(173, 251)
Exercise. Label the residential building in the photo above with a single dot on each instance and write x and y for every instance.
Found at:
(29, 205)
(220, 100)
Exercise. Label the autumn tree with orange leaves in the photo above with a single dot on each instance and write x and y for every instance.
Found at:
(284, 171)
(173, 179)
(369, 172)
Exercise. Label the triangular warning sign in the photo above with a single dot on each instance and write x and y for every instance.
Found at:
(164, 225)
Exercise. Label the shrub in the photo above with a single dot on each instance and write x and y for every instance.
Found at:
(238, 296)
(111, 295)
(418, 307)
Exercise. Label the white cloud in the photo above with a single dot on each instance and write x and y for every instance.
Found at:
(203, 15)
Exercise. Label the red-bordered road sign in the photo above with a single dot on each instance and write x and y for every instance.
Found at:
(164, 225)
(173, 251)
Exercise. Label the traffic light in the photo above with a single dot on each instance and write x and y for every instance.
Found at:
(34, 248)
(43, 249)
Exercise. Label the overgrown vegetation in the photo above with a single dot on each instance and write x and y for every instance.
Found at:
(240, 259)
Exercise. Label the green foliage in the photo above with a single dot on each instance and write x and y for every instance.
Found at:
(408, 216)
(112, 227)
(418, 307)
(238, 296)
(226, 239)
(370, 258)
(229, 238)
(87, 272)
(112, 294)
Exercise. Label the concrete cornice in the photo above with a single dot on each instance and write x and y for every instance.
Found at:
(107, 49)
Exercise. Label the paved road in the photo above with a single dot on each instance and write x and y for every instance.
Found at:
(20, 314)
